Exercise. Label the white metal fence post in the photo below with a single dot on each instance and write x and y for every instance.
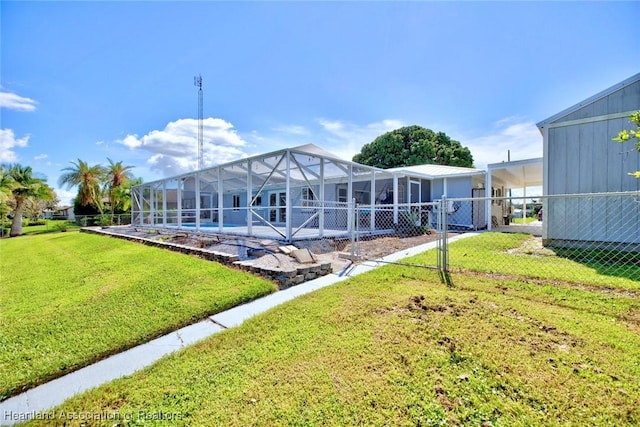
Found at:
(442, 227)
(353, 225)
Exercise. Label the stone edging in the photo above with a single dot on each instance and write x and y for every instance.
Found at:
(284, 278)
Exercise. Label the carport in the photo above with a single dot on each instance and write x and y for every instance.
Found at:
(505, 176)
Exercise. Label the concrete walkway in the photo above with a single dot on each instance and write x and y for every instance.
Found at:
(40, 399)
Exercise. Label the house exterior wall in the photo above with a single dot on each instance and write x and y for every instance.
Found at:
(580, 158)
(579, 150)
(456, 188)
(219, 196)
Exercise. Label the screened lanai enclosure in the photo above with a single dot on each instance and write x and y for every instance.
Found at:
(292, 194)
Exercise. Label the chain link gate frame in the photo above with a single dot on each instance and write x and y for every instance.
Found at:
(599, 231)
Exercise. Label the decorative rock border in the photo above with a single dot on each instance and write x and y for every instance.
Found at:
(285, 278)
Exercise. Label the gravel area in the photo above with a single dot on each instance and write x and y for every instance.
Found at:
(265, 253)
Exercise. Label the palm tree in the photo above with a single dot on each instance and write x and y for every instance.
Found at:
(25, 187)
(6, 183)
(117, 176)
(88, 179)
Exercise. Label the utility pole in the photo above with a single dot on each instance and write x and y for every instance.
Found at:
(197, 81)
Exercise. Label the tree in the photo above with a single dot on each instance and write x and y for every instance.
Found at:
(627, 135)
(122, 195)
(89, 180)
(413, 145)
(35, 208)
(25, 189)
(117, 176)
(6, 184)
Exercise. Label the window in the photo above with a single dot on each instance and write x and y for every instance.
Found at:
(342, 194)
(308, 197)
(236, 202)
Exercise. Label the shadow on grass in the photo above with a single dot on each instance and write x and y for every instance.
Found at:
(623, 264)
(445, 277)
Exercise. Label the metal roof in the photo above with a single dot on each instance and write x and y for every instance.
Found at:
(518, 173)
(439, 171)
(589, 100)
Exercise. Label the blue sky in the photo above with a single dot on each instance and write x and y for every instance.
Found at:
(115, 79)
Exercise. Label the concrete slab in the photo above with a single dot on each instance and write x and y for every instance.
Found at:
(285, 249)
(304, 256)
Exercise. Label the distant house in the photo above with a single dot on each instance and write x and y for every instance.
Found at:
(64, 212)
(580, 157)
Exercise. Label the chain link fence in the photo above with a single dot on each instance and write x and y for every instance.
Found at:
(563, 236)
(93, 220)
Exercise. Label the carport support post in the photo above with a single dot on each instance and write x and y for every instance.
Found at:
(524, 205)
(487, 194)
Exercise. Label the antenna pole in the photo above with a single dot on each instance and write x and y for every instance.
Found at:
(197, 81)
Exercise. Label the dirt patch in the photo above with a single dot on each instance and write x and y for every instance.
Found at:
(602, 289)
(533, 247)
(377, 247)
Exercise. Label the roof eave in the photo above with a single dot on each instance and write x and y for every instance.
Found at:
(589, 100)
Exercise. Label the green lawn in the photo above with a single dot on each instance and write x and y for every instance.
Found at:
(528, 220)
(50, 226)
(514, 254)
(68, 299)
(397, 347)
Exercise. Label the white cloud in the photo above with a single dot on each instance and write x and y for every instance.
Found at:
(346, 139)
(342, 138)
(174, 150)
(521, 138)
(8, 142)
(40, 157)
(65, 196)
(292, 129)
(16, 102)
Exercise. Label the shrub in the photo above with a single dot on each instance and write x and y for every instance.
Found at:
(411, 224)
(32, 222)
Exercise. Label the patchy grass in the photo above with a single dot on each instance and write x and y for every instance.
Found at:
(69, 299)
(396, 347)
(528, 220)
(523, 255)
